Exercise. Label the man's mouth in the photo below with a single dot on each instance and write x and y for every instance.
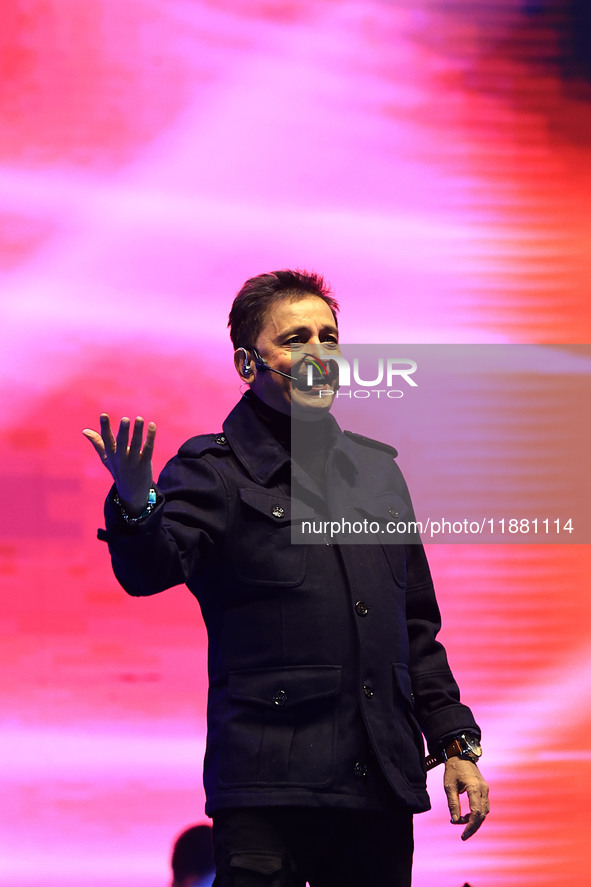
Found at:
(317, 382)
(316, 375)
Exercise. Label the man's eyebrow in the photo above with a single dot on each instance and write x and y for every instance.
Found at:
(290, 331)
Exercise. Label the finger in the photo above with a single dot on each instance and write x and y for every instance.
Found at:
(479, 807)
(474, 822)
(97, 442)
(453, 802)
(149, 444)
(107, 435)
(136, 438)
(123, 436)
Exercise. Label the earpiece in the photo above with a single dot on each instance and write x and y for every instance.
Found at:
(246, 368)
(262, 365)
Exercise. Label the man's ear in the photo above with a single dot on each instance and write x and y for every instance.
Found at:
(244, 366)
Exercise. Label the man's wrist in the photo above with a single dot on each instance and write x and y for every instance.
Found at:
(131, 518)
(465, 745)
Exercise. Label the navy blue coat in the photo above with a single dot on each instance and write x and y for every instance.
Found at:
(324, 668)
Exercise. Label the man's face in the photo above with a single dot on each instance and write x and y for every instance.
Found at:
(294, 328)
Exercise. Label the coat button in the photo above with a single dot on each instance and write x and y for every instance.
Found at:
(278, 511)
(392, 512)
(221, 440)
(360, 770)
(362, 608)
(280, 697)
(369, 692)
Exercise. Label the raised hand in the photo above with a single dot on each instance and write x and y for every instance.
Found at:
(129, 463)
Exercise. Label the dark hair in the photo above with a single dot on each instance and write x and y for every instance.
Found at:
(192, 853)
(250, 307)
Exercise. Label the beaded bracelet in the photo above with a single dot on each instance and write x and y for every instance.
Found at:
(147, 510)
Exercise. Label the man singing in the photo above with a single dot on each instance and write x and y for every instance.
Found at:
(324, 668)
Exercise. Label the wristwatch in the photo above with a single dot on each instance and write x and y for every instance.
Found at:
(465, 745)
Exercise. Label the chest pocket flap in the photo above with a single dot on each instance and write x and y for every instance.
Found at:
(275, 506)
(260, 544)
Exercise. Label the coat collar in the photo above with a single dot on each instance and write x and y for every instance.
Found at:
(260, 451)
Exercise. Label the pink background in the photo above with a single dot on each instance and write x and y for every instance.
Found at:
(434, 162)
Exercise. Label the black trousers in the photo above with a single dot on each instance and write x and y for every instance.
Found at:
(289, 846)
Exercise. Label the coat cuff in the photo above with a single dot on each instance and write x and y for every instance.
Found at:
(117, 526)
(446, 723)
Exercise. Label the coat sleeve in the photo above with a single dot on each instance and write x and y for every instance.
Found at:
(439, 711)
(182, 534)
(438, 708)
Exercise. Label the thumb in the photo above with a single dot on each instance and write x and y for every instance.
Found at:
(455, 812)
(98, 444)
(453, 802)
(95, 439)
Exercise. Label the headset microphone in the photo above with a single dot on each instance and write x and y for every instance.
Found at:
(299, 382)
(262, 364)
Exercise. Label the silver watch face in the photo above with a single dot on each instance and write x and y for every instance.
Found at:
(472, 745)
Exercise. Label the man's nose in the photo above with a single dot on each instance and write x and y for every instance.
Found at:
(326, 354)
(319, 348)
